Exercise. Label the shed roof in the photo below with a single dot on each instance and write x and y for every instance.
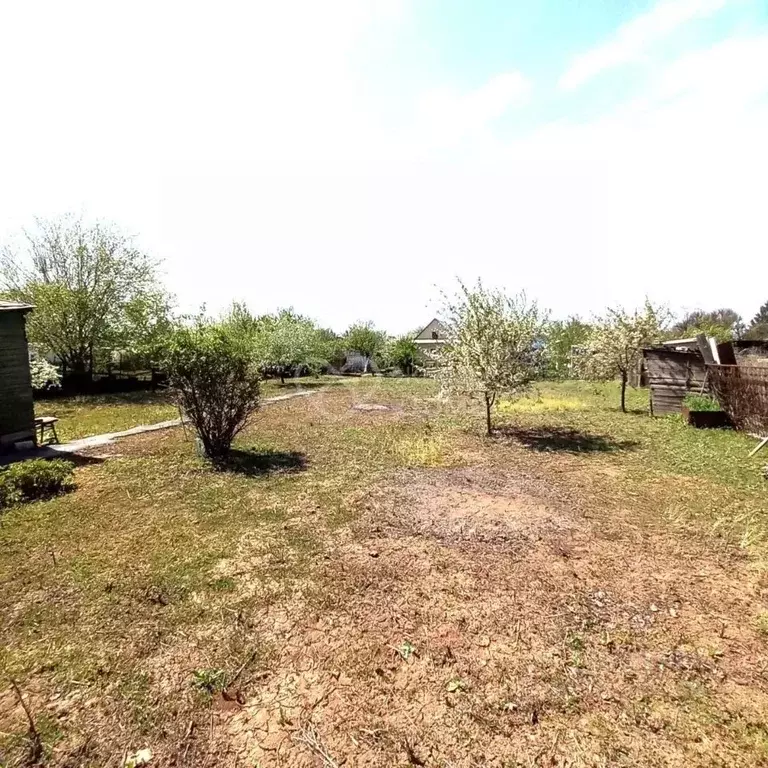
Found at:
(15, 306)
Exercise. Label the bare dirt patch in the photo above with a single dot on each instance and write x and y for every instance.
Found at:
(468, 506)
(374, 407)
(473, 619)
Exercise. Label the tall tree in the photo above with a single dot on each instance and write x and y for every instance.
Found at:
(758, 328)
(492, 347)
(93, 290)
(723, 324)
(560, 338)
(404, 352)
(366, 340)
(615, 345)
(287, 341)
(762, 315)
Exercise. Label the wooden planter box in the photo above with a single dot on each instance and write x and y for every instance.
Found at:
(706, 419)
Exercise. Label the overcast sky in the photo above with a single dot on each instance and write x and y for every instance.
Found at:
(345, 157)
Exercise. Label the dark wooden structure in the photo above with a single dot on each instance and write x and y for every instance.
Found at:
(672, 374)
(742, 390)
(17, 413)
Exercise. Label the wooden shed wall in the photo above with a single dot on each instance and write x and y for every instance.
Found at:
(17, 416)
(671, 376)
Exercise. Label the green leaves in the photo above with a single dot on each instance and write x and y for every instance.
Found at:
(282, 342)
(723, 324)
(213, 373)
(35, 479)
(404, 353)
(209, 680)
(406, 649)
(560, 337)
(93, 291)
(365, 339)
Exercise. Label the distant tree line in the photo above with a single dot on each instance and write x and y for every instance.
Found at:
(95, 293)
(97, 296)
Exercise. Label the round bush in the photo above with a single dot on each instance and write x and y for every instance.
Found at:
(35, 479)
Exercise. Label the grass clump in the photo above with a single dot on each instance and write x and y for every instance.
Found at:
(34, 479)
(421, 451)
(701, 403)
(209, 681)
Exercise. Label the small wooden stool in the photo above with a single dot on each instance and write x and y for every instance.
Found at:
(47, 423)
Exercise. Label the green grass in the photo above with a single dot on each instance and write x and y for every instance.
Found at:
(703, 477)
(665, 443)
(701, 403)
(87, 415)
(149, 582)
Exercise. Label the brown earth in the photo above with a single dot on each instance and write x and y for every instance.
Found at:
(516, 608)
(538, 637)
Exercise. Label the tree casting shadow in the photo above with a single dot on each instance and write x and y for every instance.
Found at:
(259, 463)
(49, 453)
(564, 440)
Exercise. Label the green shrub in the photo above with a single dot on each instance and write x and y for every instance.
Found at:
(213, 373)
(405, 354)
(701, 403)
(34, 479)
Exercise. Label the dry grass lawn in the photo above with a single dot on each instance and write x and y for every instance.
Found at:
(386, 587)
(86, 415)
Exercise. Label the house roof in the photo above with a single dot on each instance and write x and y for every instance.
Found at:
(425, 334)
(15, 306)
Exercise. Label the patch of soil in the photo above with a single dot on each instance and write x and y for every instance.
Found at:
(374, 407)
(448, 647)
(466, 506)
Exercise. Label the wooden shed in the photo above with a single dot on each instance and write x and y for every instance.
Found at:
(672, 374)
(17, 414)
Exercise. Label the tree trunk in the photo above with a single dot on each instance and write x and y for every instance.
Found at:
(623, 391)
(79, 377)
(488, 404)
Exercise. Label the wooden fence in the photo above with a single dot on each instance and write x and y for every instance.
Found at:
(742, 391)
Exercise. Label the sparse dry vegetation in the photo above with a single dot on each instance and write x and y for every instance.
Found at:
(384, 587)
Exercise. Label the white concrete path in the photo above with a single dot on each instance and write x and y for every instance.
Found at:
(96, 441)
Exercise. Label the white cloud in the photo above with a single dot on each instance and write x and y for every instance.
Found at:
(671, 186)
(446, 116)
(734, 71)
(633, 39)
(181, 86)
(247, 151)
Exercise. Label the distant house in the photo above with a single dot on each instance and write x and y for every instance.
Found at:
(432, 337)
(17, 413)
